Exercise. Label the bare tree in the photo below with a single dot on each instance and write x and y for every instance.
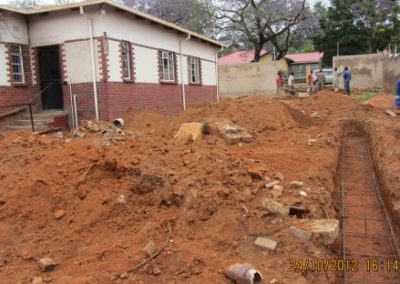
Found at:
(263, 21)
(196, 15)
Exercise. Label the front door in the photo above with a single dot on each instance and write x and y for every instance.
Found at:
(50, 77)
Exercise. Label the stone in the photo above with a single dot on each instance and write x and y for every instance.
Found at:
(272, 184)
(279, 176)
(266, 243)
(147, 184)
(150, 248)
(274, 206)
(47, 264)
(273, 281)
(230, 132)
(37, 280)
(303, 95)
(315, 115)
(303, 193)
(391, 113)
(124, 276)
(59, 214)
(277, 191)
(189, 132)
(121, 199)
(156, 271)
(326, 230)
(296, 184)
(310, 142)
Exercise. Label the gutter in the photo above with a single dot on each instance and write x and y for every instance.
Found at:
(181, 63)
(94, 79)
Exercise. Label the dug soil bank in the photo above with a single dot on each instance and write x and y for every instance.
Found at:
(94, 206)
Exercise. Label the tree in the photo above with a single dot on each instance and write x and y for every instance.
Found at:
(263, 21)
(195, 15)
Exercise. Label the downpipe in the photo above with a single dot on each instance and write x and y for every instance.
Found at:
(181, 64)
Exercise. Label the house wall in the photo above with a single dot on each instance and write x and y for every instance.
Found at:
(255, 79)
(282, 63)
(70, 31)
(13, 28)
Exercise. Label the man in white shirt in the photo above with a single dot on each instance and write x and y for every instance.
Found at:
(292, 89)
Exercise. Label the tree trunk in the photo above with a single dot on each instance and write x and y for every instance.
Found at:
(257, 54)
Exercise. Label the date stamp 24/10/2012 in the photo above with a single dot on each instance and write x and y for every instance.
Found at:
(344, 265)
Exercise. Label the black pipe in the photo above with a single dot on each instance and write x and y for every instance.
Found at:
(30, 112)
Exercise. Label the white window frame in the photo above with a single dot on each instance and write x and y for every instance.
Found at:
(126, 59)
(194, 70)
(20, 58)
(167, 71)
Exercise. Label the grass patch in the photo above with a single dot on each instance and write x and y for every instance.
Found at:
(366, 96)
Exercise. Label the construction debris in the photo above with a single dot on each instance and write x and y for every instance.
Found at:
(326, 230)
(274, 207)
(266, 243)
(46, 264)
(391, 113)
(230, 132)
(189, 132)
(244, 274)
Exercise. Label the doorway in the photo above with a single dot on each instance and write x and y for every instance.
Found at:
(50, 77)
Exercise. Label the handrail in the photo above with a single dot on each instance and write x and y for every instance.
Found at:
(31, 101)
(29, 105)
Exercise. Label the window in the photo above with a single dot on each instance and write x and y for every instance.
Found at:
(299, 71)
(167, 66)
(126, 58)
(194, 70)
(17, 64)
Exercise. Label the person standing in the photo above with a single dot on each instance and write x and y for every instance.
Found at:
(278, 82)
(346, 80)
(398, 93)
(292, 89)
(321, 80)
(336, 75)
(310, 82)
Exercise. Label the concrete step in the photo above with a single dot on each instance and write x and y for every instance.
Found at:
(25, 128)
(45, 114)
(35, 122)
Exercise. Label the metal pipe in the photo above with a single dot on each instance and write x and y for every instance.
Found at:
(76, 113)
(30, 113)
(91, 38)
(72, 106)
(181, 63)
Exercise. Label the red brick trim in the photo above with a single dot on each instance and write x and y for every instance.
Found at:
(63, 64)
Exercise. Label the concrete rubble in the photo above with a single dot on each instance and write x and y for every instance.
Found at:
(230, 132)
(189, 132)
(47, 264)
(274, 206)
(266, 243)
(326, 230)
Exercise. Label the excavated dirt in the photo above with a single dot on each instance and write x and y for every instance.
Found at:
(116, 198)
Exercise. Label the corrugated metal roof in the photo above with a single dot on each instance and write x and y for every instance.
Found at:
(135, 12)
(305, 57)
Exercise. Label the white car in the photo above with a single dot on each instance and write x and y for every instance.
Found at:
(328, 75)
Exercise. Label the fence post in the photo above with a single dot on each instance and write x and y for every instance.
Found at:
(30, 112)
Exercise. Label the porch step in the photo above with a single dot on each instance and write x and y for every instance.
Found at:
(48, 114)
(25, 127)
(36, 121)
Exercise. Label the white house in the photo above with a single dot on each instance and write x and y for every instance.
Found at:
(112, 57)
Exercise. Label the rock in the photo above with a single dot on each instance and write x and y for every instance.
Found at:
(303, 193)
(315, 115)
(79, 134)
(272, 184)
(47, 264)
(277, 191)
(266, 243)
(391, 113)
(147, 184)
(124, 276)
(279, 176)
(189, 132)
(230, 132)
(156, 271)
(150, 248)
(274, 207)
(326, 230)
(273, 281)
(59, 214)
(121, 199)
(296, 184)
(303, 95)
(310, 142)
(37, 280)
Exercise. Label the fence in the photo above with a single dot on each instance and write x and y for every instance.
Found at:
(247, 79)
(377, 71)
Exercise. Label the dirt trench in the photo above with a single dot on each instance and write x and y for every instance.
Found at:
(368, 241)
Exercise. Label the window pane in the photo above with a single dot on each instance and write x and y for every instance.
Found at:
(126, 60)
(17, 64)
